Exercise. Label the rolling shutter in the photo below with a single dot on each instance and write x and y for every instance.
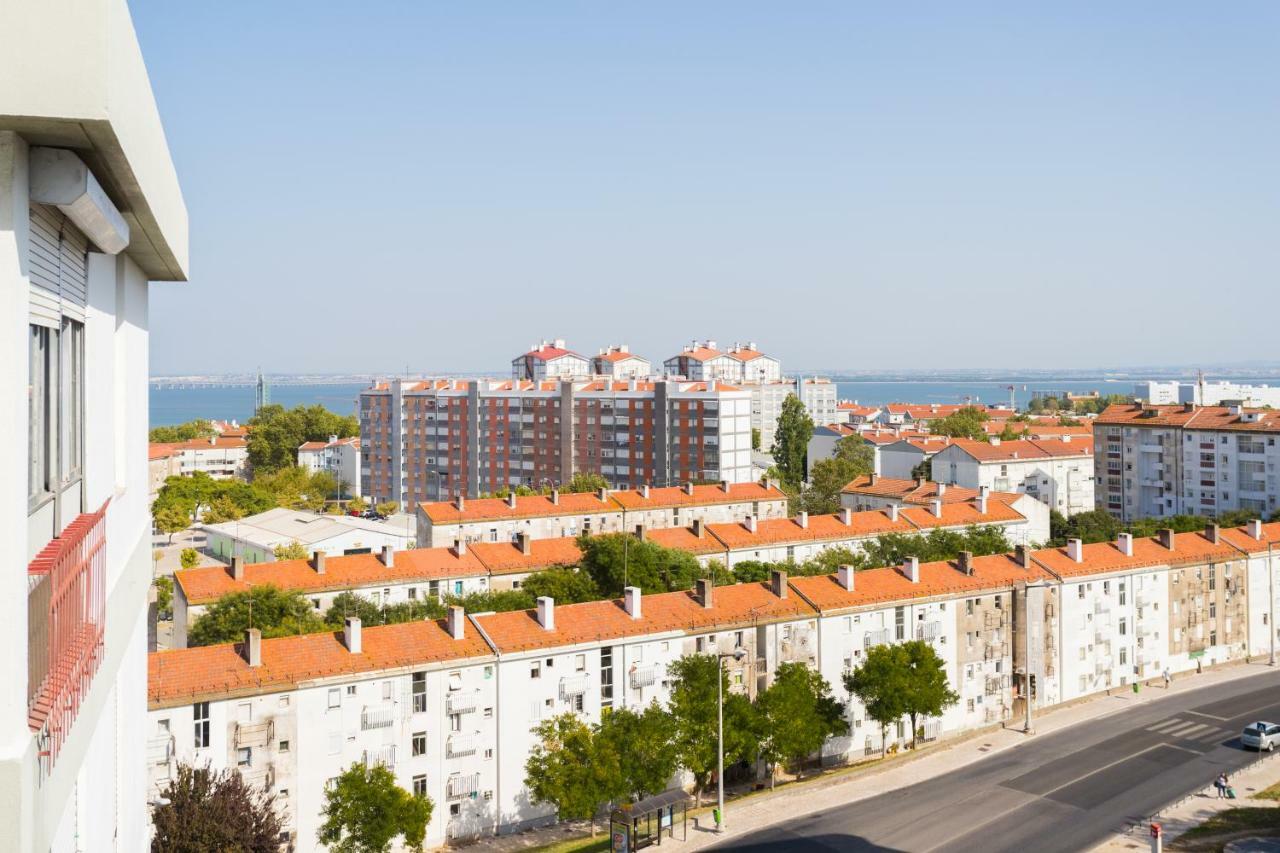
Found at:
(57, 267)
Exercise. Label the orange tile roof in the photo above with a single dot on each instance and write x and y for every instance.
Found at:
(506, 558)
(683, 539)
(617, 355)
(773, 531)
(183, 676)
(700, 354)
(961, 514)
(1023, 449)
(942, 578)
(321, 445)
(854, 408)
(744, 354)
(744, 604)
(220, 442)
(209, 583)
(1102, 557)
(1239, 537)
(703, 495)
(527, 506)
(1195, 418)
(911, 491)
(156, 450)
(923, 411)
(889, 436)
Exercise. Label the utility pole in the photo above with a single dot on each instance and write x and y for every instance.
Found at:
(1026, 662)
(1271, 587)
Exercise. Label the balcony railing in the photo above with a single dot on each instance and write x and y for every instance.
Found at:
(66, 621)
(463, 785)
(461, 703)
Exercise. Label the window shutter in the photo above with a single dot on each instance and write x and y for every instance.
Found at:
(57, 267)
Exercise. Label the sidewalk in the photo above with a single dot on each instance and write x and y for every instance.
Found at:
(759, 810)
(1201, 806)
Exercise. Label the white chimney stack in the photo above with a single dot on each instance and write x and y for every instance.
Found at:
(937, 507)
(351, 634)
(1255, 528)
(803, 520)
(456, 620)
(751, 524)
(388, 556)
(893, 512)
(982, 504)
(1075, 550)
(644, 491)
(459, 547)
(252, 650)
(942, 489)
(911, 568)
(237, 568)
(547, 612)
(1124, 541)
(631, 601)
(844, 575)
(511, 498)
(317, 562)
(846, 516)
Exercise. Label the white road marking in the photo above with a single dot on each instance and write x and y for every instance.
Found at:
(1191, 733)
(1210, 716)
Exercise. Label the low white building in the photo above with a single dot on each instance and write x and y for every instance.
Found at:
(1203, 393)
(255, 537)
(339, 457)
(221, 457)
(1056, 471)
(875, 492)
(901, 459)
(550, 360)
(619, 362)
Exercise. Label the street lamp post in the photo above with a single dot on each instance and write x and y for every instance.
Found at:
(1271, 591)
(737, 654)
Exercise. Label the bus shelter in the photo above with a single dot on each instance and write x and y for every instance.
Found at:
(644, 823)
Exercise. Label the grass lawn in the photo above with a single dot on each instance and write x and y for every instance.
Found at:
(1272, 793)
(577, 845)
(1236, 820)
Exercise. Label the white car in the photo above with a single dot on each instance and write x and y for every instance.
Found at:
(1261, 736)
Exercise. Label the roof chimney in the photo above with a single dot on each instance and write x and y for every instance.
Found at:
(555, 497)
(237, 567)
(966, 562)
(875, 478)
(251, 651)
(911, 568)
(984, 491)
(704, 591)
(388, 556)
(937, 507)
(603, 494)
(844, 575)
(1124, 542)
(803, 519)
(317, 561)
(1075, 550)
(846, 516)
(750, 523)
(778, 583)
(1255, 528)
(351, 634)
(699, 528)
(981, 503)
(1022, 556)
(995, 441)
(644, 491)
(688, 488)
(892, 509)
(547, 612)
(631, 601)
(942, 489)
(511, 498)
(460, 502)
(724, 486)
(640, 532)
(456, 621)
(919, 482)
(524, 543)
(1211, 532)
(1165, 537)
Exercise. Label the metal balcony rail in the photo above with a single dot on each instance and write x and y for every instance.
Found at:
(876, 638)
(160, 749)
(461, 703)
(377, 717)
(384, 755)
(255, 734)
(929, 631)
(573, 685)
(644, 676)
(66, 623)
(460, 744)
(463, 785)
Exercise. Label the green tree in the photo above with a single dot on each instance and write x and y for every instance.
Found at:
(365, 810)
(963, 423)
(1009, 433)
(565, 585)
(171, 518)
(755, 438)
(386, 508)
(295, 550)
(222, 509)
(275, 433)
(641, 742)
(791, 441)
(164, 597)
(692, 705)
(352, 604)
(567, 768)
(1096, 525)
(878, 684)
(797, 715)
(923, 471)
(616, 560)
(214, 810)
(189, 558)
(275, 612)
(497, 601)
(892, 548)
(585, 481)
(853, 458)
(297, 487)
(357, 504)
(182, 432)
(926, 690)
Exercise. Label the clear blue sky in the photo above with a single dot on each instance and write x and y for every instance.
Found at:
(855, 185)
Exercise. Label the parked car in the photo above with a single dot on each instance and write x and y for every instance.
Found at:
(1261, 736)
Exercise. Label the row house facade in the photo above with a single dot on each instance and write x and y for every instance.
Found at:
(619, 362)
(450, 706)
(570, 514)
(549, 360)
(1057, 471)
(338, 457)
(740, 363)
(1153, 461)
(431, 441)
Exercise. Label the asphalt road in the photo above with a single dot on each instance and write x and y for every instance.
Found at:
(1065, 791)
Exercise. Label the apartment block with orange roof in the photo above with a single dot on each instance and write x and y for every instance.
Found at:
(549, 360)
(290, 714)
(617, 361)
(1056, 471)
(1154, 461)
(338, 457)
(875, 492)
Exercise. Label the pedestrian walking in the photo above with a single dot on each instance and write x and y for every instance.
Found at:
(1167, 678)
(1221, 785)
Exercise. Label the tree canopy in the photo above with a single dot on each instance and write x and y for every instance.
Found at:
(641, 741)
(296, 487)
(569, 769)
(926, 690)
(797, 714)
(853, 458)
(214, 810)
(616, 560)
(183, 498)
(365, 810)
(791, 441)
(962, 423)
(270, 609)
(878, 684)
(692, 705)
(892, 548)
(199, 428)
(275, 433)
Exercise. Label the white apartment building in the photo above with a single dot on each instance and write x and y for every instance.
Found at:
(1188, 459)
(569, 514)
(221, 457)
(90, 212)
(339, 457)
(549, 360)
(255, 537)
(817, 394)
(740, 363)
(619, 362)
(1202, 393)
(1056, 471)
(450, 705)
(901, 459)
(293, 713)
(876, 493)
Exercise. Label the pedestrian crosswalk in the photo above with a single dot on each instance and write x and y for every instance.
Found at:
(1190, 730)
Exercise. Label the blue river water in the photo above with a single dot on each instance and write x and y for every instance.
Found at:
(175, 405)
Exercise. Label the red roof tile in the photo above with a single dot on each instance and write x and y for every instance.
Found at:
(507, 558)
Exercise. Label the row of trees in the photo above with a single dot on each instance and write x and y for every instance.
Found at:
(580, 767)
(1098, 525)
(184, 499)
(1050, 404)
(189, 431)
(275, 433)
